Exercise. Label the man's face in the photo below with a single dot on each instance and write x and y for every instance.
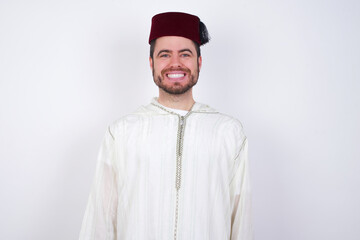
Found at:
(175, 64)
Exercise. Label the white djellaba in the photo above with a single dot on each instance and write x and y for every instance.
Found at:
(164, 176)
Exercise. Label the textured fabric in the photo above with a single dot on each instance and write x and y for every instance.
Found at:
(134, 196)
(175, 24)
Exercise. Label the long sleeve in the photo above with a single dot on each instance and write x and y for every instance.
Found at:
(241, 223)
(100, 216)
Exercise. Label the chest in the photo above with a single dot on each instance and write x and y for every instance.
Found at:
(157, 143)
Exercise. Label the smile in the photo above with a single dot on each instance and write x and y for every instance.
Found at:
(175, 75)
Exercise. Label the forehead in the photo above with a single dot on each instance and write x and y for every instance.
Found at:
(174, 43)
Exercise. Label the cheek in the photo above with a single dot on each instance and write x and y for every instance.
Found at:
(159, 67)
(193, 67)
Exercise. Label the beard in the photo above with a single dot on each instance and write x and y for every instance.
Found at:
(176, 88)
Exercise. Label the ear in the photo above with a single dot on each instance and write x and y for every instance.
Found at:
(200, 62)
(151, 63)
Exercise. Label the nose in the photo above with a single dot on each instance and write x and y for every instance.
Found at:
(175, 61)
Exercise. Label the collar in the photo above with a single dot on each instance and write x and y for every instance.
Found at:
(156, 107)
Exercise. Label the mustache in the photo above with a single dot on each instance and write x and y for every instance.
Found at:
(175, 69)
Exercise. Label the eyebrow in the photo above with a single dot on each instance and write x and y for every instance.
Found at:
(163, 51)
(186, 50)
(169, 51)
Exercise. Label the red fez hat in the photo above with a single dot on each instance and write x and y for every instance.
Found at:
(175, 24)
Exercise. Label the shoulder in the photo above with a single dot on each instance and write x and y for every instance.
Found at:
(132, 120)
(232, 126)
(226, 125)
(222, 119)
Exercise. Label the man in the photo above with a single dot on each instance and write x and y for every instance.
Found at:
(174, 169)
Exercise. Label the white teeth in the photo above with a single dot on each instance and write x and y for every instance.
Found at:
(175, 75)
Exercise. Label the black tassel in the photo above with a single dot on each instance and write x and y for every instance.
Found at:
(204, 34)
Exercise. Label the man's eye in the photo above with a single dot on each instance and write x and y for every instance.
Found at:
(164, 55)
(185, 55)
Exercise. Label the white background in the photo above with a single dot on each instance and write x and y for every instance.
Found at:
(288, 69)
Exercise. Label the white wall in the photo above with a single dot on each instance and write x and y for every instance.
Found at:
(289, 70)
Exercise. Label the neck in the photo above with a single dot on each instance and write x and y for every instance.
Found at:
(181, 101)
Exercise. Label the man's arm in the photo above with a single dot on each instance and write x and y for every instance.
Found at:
(101, 212)
(241, 223)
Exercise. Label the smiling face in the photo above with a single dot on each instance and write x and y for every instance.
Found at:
(175, 64)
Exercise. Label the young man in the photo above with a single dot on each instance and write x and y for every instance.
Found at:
(174, 169)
